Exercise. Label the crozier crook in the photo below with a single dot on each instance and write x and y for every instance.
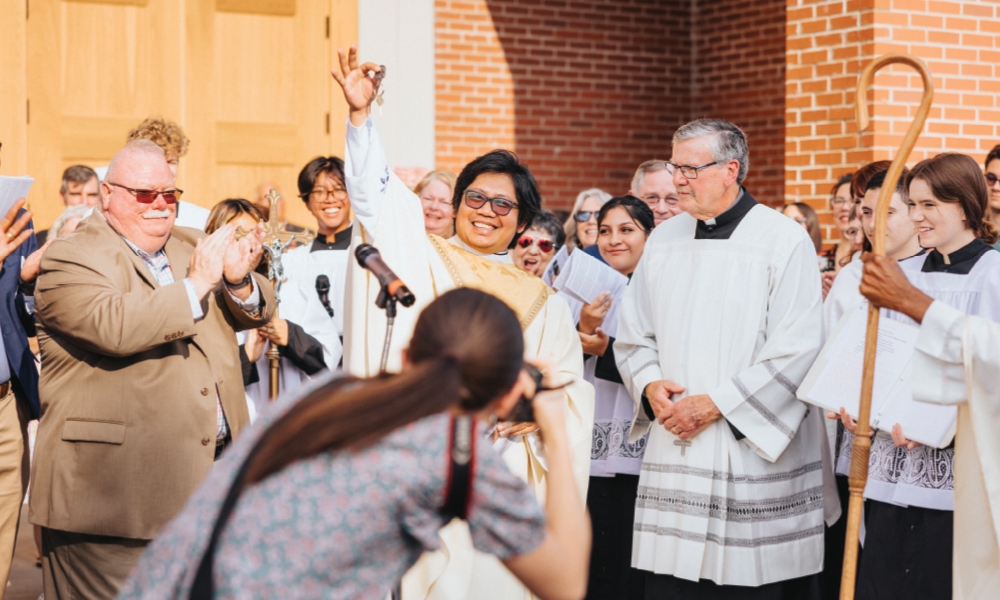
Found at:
(862, 442)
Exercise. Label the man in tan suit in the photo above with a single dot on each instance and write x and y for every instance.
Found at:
(141, 385)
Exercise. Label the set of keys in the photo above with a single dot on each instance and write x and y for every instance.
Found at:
(377, 82)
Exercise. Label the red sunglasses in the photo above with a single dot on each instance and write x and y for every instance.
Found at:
(543, 244)
(149, 196)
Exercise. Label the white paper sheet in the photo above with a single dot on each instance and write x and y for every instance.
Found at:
(585, 278)
(555, 265)
(834, 380)
(11, 190)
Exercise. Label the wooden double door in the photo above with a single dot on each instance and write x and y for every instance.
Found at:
(248, 80)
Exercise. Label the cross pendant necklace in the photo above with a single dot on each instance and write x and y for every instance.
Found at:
(684, 445)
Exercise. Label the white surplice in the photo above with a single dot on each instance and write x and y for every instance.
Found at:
(303, 264)
(957, 361)
(738, 319)
(391, 219)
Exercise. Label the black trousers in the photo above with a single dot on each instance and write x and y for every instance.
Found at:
(611, 501)
(668, 587)
(908, 552)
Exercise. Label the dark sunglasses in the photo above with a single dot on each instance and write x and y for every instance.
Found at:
(584, 215)
(499, 206)
(149, 196)
(543, 244)
(991, 179)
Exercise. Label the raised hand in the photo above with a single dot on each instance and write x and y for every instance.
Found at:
(13, 233)
(208, 260)
(359, 89)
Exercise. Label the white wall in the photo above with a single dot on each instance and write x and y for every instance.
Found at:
(400, 35)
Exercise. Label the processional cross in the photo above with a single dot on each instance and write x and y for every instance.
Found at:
(276, 241)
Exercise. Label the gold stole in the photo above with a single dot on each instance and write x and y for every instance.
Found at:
(524, 293)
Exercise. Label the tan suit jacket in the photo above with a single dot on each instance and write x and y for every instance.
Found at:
(129, 382)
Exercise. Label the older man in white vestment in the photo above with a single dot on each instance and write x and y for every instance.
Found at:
(718, 327)
(495, 198)
(957, 361)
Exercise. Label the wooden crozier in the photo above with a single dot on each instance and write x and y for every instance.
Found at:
(862, 441)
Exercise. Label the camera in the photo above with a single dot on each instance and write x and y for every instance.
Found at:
(523, 411)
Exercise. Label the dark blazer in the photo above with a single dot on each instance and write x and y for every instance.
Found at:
(16, 325)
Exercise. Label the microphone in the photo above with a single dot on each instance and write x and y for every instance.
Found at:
(323, 290)
(369, 258)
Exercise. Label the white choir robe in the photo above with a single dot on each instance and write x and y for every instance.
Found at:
(738, 319)
(302, 265)
(302, 306)
(391, 219)
(957, 361)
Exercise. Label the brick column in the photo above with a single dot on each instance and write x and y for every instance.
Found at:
(827, 45)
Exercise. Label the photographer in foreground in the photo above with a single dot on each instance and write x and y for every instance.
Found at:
(337, 492)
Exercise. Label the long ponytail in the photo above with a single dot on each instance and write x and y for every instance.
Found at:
(467, 350)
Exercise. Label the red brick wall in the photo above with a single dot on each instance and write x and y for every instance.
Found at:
(586, 90)
(830, 42)
(740, 76)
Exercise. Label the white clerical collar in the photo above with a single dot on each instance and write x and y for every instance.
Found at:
(503, 257)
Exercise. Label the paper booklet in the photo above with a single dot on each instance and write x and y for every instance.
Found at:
(555, 265)
(13, 189)
(835, 380)
(584, 278)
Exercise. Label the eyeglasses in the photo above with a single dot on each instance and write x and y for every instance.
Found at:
(149, 196)
(838, 201)
(543, 244)
(687, 171)
(991, 179)
(499, 206)
(584, 215)
(319, 195)
(653, 199)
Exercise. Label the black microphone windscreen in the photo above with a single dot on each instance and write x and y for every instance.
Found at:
(322, 284)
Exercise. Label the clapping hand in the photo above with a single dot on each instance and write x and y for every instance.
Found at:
(33, 264)
(209, 258)
(242, 256)
(13, 233)
(359, 89)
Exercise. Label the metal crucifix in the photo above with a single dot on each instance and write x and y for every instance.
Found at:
(276, 241)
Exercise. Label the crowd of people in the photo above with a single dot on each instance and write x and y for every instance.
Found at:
(495, 441)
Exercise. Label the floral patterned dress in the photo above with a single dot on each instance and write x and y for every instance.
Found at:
(337, 525)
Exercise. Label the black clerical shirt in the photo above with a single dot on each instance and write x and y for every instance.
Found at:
(341, 241)
(960, 262)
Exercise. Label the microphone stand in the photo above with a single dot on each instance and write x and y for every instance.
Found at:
(388, 303)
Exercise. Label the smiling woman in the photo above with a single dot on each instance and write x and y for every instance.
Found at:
(581, 227)
(539, 244)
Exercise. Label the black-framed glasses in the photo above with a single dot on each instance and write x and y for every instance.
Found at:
(991, 179)
(319, 194)
(149, 196)
(499, 206)
(688, 171)
(584, 215)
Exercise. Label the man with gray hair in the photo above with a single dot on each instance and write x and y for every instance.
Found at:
(718, 327)
(653, 183)
(142, 386)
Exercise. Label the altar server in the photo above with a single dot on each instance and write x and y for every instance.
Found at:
(495, 199)
(623, 225)
(910, 491)
(718, 327)
(319, 270)
(955, 362)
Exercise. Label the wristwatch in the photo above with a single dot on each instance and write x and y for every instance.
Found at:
(238, 286)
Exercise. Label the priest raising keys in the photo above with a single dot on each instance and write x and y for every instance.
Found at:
(717, 329)
(495, 199)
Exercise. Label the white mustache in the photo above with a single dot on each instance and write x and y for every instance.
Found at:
(156, 214)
